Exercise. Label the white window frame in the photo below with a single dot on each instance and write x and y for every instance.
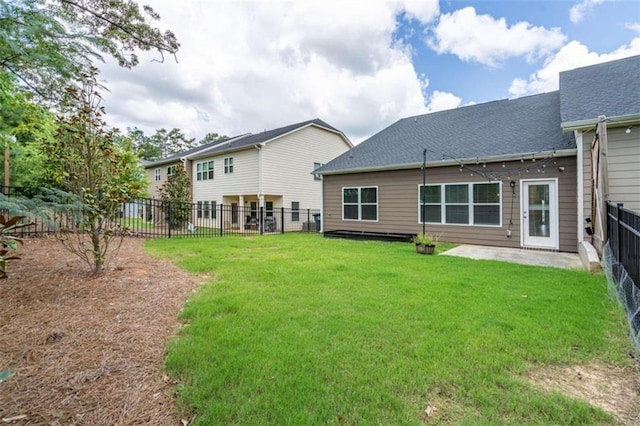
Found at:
(228, 165)
(470, 203)
(170, 170)
(295, 211)
(360, 204)
(202, 173)
(158, 174)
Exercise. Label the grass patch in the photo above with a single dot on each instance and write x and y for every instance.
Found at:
(298, 329)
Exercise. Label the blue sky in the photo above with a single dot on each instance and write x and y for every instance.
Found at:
(246, 66)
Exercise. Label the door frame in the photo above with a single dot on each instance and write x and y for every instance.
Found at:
(554, 213)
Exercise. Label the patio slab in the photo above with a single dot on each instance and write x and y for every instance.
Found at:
(527, 257)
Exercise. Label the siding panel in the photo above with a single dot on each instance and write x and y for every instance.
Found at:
(398, 203)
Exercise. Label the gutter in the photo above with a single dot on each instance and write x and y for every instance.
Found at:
(443, 163)
(621, 120)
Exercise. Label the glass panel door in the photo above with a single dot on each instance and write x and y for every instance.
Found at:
(540, 214)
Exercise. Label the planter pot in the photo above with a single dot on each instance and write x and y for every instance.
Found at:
(425, 248)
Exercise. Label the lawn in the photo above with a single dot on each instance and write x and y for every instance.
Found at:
(298, 329)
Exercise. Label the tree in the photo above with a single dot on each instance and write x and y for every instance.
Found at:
(175, 194)
(211, 138)
(172, 141)
(99, 175)
(23, 124)
(48, 43)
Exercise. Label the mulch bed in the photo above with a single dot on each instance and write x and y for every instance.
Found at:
(89, 350)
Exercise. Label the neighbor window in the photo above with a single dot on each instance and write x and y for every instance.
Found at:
(158, 175)
(207, 212)
(316, 166)
(199, 210)
(360, 203)
(204, 171)
(228, 165)
(460, 204)
(214, 213)
(295, 211)
(269, 208)
(171, 170)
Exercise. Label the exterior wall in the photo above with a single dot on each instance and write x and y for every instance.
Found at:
(154, 187)
(398, 203)
(243, 180)
(624, 172)
(288, 163)
(624, 167)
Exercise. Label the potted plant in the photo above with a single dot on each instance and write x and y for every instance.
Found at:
(426, 243)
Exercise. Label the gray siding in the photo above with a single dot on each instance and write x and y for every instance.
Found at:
(624, 167)
(398, 203)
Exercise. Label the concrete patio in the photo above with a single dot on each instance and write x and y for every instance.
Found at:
(527, 257)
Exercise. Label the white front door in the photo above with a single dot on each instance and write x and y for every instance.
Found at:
(540, 213)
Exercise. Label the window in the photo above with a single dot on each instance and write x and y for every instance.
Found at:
(204, 171)
(316, 166)
(228, 165)
(360, 203)
(269, 208)
(253, 206)
(295, 211)
(460, 204)
(158, 175)
(199, 210)
(170, 170)
(214, 210)
(207, 211)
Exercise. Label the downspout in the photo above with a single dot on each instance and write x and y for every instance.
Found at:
(580, 177)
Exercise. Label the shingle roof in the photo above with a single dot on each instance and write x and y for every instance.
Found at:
(507, 127)
(175, 157)
(253, 139)
(611, 89)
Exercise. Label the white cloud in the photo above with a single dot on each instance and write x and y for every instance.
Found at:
(577, 12)
(247, 66)
(489, 41)
(573, 55)
(635, 27)
(440, 101)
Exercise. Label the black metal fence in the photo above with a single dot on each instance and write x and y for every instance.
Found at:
(153, 218)
(623, 233)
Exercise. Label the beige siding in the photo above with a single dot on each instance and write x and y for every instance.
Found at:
(288, 163)
(243, 180)
(398, 203)
(154, 187)
(624, 167)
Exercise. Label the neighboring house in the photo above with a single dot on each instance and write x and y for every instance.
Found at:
(272, 169)
(159, 170)
(601, 105)
(500, 173)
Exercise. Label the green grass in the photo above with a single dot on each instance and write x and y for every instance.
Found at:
(297, 329)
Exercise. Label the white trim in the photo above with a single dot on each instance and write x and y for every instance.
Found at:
(619, 120)
(554, 214)
(470, 204)
(359, 204)
(579, 135)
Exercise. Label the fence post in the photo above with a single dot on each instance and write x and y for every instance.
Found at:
(619, 231)
(261, 220)
(308, 219)
(169, 210)
(221, 218)
(282, 220)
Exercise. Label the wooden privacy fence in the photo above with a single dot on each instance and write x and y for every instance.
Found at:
(623, 233)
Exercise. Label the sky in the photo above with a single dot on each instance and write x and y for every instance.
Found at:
(247, 66)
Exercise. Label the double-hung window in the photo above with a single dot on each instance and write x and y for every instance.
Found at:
(204, 171)
(295, 211)
(460, 204)
(171, 170)
(360, 203)
(316, 166)
(228, 165)
(158, 175)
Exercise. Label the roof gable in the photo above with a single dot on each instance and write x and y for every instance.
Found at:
(611, 89)
(501, 128)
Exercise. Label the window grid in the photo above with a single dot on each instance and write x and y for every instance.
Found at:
(360, 203)
(204, 171)
(228, 165)
(474, 204)
(158, 175)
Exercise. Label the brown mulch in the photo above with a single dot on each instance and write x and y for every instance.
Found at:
(88, 350)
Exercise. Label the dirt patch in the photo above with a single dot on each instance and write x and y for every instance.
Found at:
(89, 350)
(614, 389)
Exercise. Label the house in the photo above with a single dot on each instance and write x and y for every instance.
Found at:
(268, 170)
(501, 173)
(158, 171)
(600, 104)
(513, 173)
